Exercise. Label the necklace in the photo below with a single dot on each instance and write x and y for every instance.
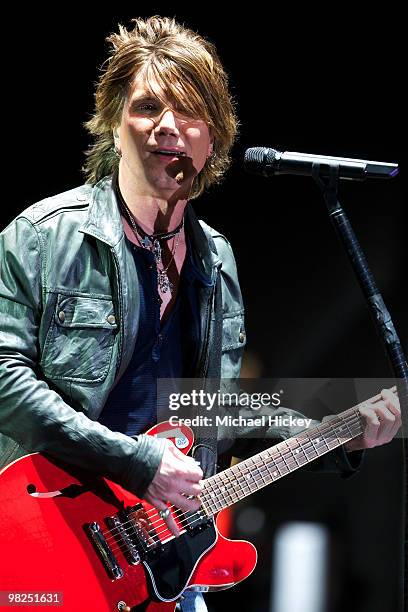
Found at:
(151, 242)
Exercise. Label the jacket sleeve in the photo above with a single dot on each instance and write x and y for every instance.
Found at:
(31, 412)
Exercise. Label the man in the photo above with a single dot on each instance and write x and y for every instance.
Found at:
(115, 284)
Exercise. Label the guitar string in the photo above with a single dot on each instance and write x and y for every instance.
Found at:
(275, 459)
(237, 471)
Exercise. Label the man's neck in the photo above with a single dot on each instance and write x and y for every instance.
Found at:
(154, 214)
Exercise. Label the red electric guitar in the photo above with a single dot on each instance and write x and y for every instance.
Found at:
(87, 544)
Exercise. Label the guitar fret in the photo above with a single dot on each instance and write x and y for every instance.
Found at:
(346, 425)
(269, 476)
(311, 452)
(266, 468)
(325, 443)
(245, 478)
(212, 493)
(227, 492)
(215, 494)
(339, 440)
(238, 491)
(300, 454)
(315, 445)
(270, 463)
(286, 465)
(288, 459)
(249, 477)
(297, 454)
(260, 471)
(331, 441)
(280, 466)
(256, 481)
(276, 467)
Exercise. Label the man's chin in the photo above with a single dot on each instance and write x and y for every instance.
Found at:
(165, 189)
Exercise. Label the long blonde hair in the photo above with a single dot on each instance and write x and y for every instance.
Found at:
(187, 68)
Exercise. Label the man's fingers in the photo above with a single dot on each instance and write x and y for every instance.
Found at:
(169, 520)
(177, 481)
(187, 466)
(384, 414)
(392, 419)
(189, 488)
(329, 417)
(370, 415)
(388, 421)
(392, 397)
(392, 403)
(181, 485)
(383, 419)
(372, 424)
(184, 503)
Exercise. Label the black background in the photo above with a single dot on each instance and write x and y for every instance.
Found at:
(313, 80)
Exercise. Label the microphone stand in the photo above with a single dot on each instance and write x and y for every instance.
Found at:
(383, 324)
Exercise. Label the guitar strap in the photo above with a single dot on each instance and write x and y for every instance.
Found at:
(205, 448)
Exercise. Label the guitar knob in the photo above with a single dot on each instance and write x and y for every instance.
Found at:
(122, 607)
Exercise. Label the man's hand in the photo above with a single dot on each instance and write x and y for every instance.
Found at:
(177, 478)
(382, 421)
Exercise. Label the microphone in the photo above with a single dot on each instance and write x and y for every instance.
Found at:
(268, 162)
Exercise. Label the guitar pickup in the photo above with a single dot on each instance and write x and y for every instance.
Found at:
(142, 532)
(103, 549)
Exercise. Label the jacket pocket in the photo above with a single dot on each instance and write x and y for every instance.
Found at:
(80, 339)
(233, 331)
(233, 342)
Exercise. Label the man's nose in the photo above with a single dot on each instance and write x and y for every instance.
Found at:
(167, 122)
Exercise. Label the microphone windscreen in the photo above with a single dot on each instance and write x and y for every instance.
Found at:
(259, 159)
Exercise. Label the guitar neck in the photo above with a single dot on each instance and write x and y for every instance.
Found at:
(233, 484)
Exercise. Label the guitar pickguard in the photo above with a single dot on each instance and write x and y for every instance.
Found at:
(170, 570)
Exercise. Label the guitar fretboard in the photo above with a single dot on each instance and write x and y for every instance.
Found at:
(235, 483)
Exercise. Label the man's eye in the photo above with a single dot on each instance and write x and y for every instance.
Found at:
(147, 107)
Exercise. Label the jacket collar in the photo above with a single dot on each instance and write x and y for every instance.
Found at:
(204, 249)
(104, 222)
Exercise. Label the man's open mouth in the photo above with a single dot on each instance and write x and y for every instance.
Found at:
(169, 153)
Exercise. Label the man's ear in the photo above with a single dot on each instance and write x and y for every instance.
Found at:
(210, 146)
(116, 140)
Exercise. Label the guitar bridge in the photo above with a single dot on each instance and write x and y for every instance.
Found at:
(102, 548)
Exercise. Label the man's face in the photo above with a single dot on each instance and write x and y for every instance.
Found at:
(158, 144)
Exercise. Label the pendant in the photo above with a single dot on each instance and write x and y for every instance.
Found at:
(146, 242)
(164, 282)
(156, 250)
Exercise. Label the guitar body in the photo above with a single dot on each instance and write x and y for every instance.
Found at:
(64, 531)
